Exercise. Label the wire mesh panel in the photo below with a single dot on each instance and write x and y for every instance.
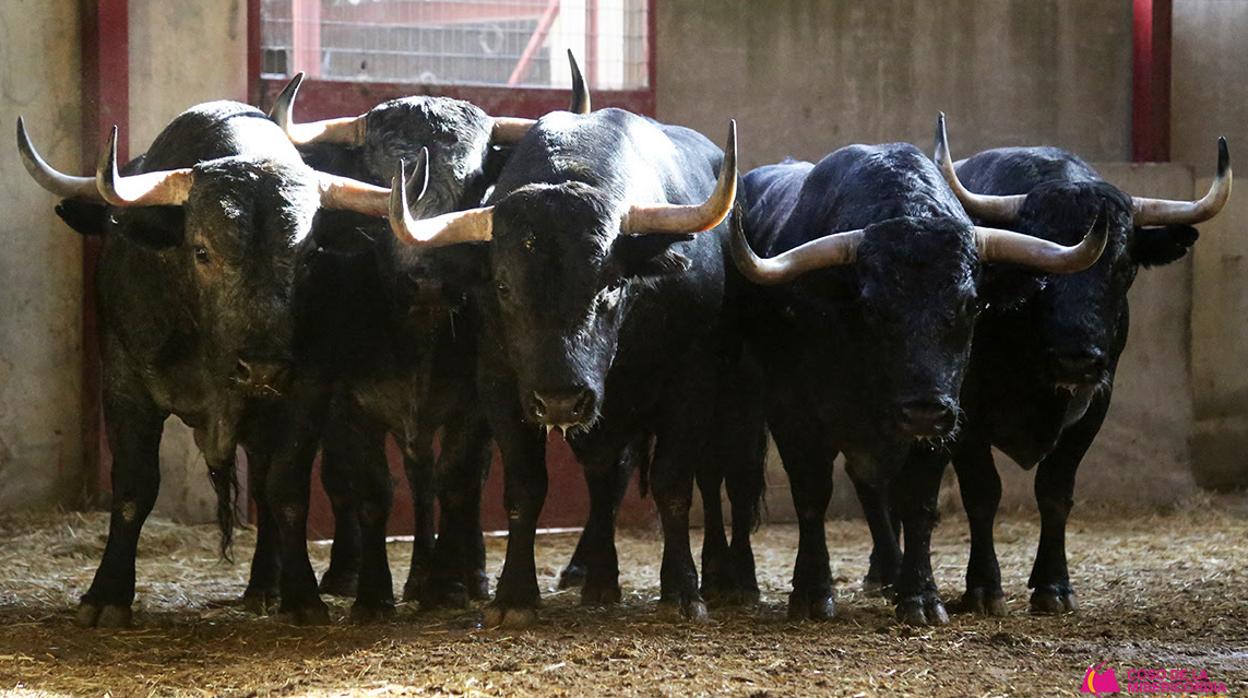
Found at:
(519, 43)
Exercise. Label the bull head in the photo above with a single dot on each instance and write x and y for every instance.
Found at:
(477, 225)
(1004, 210)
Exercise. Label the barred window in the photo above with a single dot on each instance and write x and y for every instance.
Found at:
(508, 43)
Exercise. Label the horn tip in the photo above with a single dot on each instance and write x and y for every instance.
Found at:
(1224, 156)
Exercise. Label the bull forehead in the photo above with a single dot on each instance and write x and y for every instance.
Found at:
(906, 249)
(558, 223)
(250, 202)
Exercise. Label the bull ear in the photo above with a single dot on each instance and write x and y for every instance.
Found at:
(650, 256)
(1003, 288)
(1155, 247)
(85, 217)
(157, 227)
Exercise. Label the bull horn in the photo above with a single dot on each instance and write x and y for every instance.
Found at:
(1001, 210)
(580, 92)
(160, 188)
(348, 130)
(510, 129)
(48, 177)
(996, 245)
(829, 251)
(474, 225)
(682, 219)
(1166, 212)
(346, 194)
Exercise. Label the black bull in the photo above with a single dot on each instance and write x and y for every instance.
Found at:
(1042, 368)
(871, 287)
(603, 318)
(205, 237)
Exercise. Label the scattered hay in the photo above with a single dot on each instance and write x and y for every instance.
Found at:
(1162, 590)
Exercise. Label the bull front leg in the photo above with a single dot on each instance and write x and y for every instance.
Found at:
(980, 485)
(885, 562)
(134, 425)
(288, 484)
(1055, 491)
(595, 565)
(262, 591)
(338, 461)
(917, 490)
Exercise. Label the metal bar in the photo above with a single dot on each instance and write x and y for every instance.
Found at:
(591, 43)
(105, 102)
(306, 37)
(1150, 81)
(535, 42)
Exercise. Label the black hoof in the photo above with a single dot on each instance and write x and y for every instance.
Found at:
(817, 605)
(689, 609)
(260, 602)
(509, 618)
(600, 594)
(981, 601)
(573, 576)
(310, 613)
(438, 594)
(730, 597)
(478, 584)
(1053, 600)
(343, 584)
(923, 609)
(92, 616)
(366, 613)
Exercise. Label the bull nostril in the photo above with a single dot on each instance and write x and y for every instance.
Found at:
(926, 417)
(538, 405)
(242, 371)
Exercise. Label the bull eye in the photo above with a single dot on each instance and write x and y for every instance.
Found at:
(504, 291)
(201, 255)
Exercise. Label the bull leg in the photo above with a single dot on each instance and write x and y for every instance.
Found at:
(743, 450)
(885, 561)
(262, 586)
(717, 586)
(917, 490)
(596, 548)
(981, 496)
(458, 571)
(363, 450)
(337, 466)
(419, 471)
(809, 468)
(287, 487)
(134, 426)
(607, 486)
(524, 490)
(1055, 491)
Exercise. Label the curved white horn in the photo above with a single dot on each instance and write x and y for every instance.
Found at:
(996, 245)
(348, 130)
(1002, 210)
(160, 188)
(474, 225)
(1167, 212)
(682, 219)
(48, 177)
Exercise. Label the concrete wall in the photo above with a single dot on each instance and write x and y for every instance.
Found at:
(40, 270)
(804, 77)
(1210, 98)
(183, 52)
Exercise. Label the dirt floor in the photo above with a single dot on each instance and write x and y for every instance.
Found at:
(1161, 591)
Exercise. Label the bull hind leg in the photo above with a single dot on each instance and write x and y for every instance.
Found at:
(717, 584)
(418, 464)
(355, 446)
(877, 508)
(134, 425)
(981, 496)
(337, 455)
(607, 486)
(287, 486)
(808, 464)
(1055, 490)
(457, 572)
(917, 491)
